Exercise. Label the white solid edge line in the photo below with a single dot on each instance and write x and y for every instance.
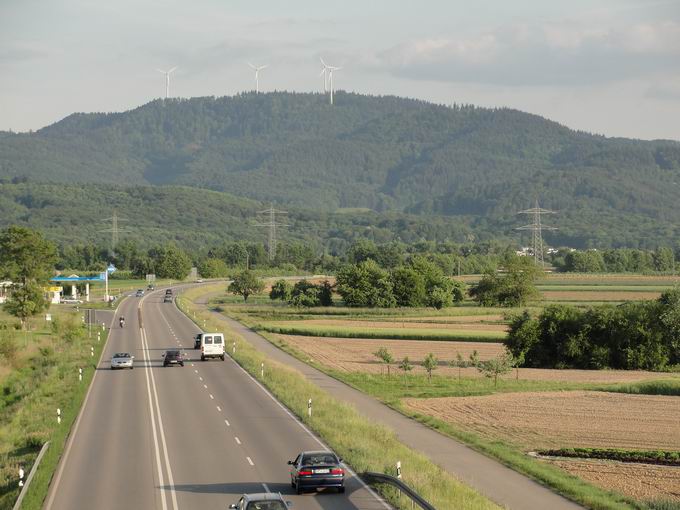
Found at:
(304, 427)
(72, 435)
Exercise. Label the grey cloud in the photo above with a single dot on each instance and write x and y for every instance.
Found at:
(546, 55)
(663, 93)
(21, 53)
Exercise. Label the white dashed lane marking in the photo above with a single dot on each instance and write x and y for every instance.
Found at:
(219, 408)
(238, 441)
(227, 422)
(250, 461)
(211, 397)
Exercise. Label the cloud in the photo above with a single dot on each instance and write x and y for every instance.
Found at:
(549, 54)
(22, 52)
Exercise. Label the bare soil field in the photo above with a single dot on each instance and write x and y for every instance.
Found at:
(638, 481)
(397, 323)
(593, 295)
(356, 355)
(564, 419)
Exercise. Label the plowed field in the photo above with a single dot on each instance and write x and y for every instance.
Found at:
(470, 325)
(356, 355)
(564, 419)
(638, 481)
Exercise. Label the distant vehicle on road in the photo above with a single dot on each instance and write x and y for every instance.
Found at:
(139, 293)
(173, 357)
(122, 360)
(211, 345)
(197, 341)
(199, 280)
(71, 301)
(261, 501)
(150, 286)
(168, 291)
(311, 470)
(167, 298)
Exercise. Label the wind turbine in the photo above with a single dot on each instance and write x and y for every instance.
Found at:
(324, 73)
(330, 79)
(257, 75)
(167, 80)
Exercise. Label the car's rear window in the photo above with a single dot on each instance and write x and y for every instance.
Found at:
(319, 459)
(218, 339)
(207, 339)
(266, 505)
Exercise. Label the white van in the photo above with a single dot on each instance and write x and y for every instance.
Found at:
(211, 345)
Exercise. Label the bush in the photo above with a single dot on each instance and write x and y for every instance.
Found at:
(8, 346)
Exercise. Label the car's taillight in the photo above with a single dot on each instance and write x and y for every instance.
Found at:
(337, 471)
(304, 473)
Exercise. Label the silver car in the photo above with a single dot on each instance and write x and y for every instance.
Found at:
(262, 501)
(122, 360)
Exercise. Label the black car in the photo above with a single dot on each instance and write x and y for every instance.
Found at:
(167, 298)
(168, 292)
(173, 357)
(197, 341)
(311, 470)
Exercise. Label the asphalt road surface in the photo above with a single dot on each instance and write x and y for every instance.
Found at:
(192, 437)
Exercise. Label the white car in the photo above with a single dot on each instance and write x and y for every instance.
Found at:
(211, 345)
(122, 360)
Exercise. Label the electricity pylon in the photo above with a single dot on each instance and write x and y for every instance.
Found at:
(536, 227)
(269, 220)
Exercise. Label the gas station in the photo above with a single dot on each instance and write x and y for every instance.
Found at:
(57, 293)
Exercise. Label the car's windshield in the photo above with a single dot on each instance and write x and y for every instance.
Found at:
(266, 505)
(319, 459)
(122, 355)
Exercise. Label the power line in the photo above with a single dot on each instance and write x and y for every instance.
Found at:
(268, 219)
(536, 227)
(115, 230)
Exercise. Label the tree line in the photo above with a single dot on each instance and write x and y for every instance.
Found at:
(631, 336)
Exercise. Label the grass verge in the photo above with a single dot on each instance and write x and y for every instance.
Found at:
(386, 333)
(364, 445)
(31, 419)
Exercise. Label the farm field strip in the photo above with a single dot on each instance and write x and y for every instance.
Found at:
(564, 419)
(412, 324)
(638, 481)
(356, 355)
(603, 288)
(587, 295)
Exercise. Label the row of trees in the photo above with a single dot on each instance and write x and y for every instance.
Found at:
(620, 260)
(632, 336)
(492, 368)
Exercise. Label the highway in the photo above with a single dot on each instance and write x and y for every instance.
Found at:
(192, 437)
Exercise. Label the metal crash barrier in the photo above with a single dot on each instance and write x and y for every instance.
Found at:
(372, 478)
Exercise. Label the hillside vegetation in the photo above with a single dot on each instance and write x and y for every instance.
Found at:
(382, 153)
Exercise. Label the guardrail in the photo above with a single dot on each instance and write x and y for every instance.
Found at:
(372, 478)
(24, 489)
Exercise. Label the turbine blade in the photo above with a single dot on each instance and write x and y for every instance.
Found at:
(171, 70)
(264, 66)
(160, 71)
(322, 62)
(322, 72)
(252, 66)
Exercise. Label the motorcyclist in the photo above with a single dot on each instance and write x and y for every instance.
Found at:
(122, 321)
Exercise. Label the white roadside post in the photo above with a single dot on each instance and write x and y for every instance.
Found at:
(58, 416)
(103, 326)
(98, 336)
(399, 474)
(21, 476)
(233, 348)
(80, 374)
(92, 352)
(262, 370)
(309, 408)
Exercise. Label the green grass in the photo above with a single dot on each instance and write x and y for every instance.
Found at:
(603, 288)
(663, 457)
(669, 387)
(385, 333)
(28, 417)
(363, 444)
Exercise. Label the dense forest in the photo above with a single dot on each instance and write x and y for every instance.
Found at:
(385, 154)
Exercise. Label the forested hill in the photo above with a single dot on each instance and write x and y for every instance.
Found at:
(382, 153)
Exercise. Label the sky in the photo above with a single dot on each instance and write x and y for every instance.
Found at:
(609, 67)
